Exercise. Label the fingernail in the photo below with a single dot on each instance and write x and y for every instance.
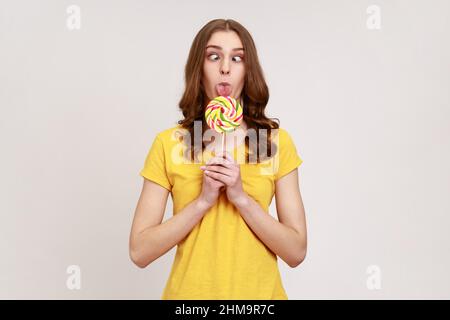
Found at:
(202, 167)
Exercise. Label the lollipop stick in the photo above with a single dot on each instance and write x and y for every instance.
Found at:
(223, 145)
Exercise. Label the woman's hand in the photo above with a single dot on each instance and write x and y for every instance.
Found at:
(228, 172)
(210, 190)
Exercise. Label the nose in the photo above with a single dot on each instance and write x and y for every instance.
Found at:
(225, 68)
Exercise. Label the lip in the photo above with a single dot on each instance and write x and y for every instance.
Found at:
(226, 85)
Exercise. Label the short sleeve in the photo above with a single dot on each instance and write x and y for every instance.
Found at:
(288, 158)
(155, 166)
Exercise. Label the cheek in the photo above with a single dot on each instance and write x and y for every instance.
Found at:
(240, 73)
(241, 78)
(208, 73)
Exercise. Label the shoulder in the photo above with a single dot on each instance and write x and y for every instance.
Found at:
(282, 132)
(169, 135)
(282, 136)
(285, 142)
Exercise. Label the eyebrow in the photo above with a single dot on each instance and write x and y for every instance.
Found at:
(220, 48)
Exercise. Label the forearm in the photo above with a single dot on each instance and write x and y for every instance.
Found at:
(154, 241)
(282, 240)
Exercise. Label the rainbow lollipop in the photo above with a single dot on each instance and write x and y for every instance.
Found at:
(223, 114)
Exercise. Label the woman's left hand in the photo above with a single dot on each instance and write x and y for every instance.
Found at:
(227, 171)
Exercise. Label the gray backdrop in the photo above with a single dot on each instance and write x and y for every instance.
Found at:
(362, 86)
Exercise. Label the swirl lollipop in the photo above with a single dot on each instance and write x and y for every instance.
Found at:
(223, 114)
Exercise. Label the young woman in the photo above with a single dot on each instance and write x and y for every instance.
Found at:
(227, 242)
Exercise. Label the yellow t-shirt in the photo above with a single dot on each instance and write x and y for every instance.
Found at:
(221, 258)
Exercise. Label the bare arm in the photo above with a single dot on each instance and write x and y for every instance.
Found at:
(286, 237)
(149, 238)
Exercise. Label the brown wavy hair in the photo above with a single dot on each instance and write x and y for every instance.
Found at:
(254, 96)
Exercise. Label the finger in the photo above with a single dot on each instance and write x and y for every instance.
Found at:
(220, 169)
(212, 180)
(228, 156)
(219, 156)
(220, 161)
(225, 165)
(218, 176)
(227, 159)
(214, 160)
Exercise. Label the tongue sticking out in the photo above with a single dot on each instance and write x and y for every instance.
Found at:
(223, 90)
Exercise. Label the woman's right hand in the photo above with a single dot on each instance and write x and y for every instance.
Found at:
(211, 189)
